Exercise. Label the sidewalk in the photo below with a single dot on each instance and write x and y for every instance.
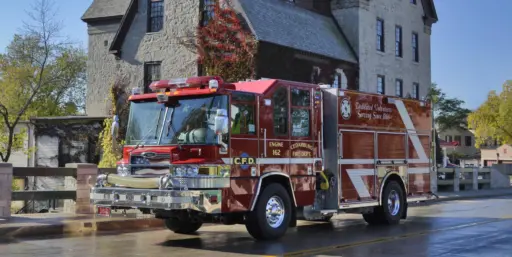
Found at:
(51, 224)
(473, 194)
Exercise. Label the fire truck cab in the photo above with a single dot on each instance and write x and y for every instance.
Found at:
(266, 153)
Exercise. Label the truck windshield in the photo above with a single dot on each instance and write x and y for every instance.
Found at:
(143, 123)
(183, 121)
(192, 120)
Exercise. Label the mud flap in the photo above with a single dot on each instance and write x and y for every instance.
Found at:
(293, 220)
(404, 214)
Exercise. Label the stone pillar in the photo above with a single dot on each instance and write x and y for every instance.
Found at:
(475, 178)
(5, 189)
(85, 177)
(456, 180)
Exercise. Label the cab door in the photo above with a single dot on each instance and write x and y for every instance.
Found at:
(244, 134)
(275, 130)
(303, 146)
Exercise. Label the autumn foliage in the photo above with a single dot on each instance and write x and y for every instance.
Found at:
(224, 47)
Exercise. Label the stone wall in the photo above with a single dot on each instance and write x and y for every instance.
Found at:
(358, 20)
(181, 18)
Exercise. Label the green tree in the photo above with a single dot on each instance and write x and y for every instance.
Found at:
(40, 75)
(492, 119)
(448, 112)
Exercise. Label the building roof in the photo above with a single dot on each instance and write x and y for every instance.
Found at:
(430, 11)
(101, 9)
(291, 26)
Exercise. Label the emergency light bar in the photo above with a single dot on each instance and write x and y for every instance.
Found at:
(173, 84)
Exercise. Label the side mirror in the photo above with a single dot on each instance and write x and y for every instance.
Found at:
(221, 122)
(114, 131)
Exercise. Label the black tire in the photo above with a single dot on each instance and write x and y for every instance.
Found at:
(383, 214)
(374, 218)
(182, 226)
(256, 222)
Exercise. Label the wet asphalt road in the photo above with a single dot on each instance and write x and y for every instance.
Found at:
(467, 228)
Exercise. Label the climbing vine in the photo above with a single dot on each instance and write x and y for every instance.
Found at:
(224, 47)
(112, 150)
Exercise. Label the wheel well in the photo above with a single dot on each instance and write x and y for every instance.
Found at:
(394, 177)
(285, 182)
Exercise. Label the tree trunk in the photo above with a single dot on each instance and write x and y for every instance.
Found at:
(9, 144)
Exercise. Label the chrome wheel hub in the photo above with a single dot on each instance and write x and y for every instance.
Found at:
(393, 203)
(275, 212)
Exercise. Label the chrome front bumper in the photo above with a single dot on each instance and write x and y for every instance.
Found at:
(207, 201)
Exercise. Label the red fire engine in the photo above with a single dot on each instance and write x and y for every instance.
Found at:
(266, 153)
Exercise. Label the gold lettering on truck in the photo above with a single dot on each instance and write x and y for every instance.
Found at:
(276, 144)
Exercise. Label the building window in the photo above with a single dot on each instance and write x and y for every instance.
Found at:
(458, 139)
(380, 35)
(415, 90)
(155, 15)
(381, 85)
(280, 101)
(399, 87)
(151, 74)
(448, 138)
(398, 41)
(413, 1)
(415, 50)
(207, 12)
(469, 141)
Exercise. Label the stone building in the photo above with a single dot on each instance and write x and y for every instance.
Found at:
(380, 46)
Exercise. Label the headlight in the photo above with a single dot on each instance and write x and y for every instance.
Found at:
(192, 171)
(123, 170)
(185, 171)
(178, 171)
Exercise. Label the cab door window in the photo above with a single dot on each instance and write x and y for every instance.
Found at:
(243, 116)
(301, 112)
(280, 100)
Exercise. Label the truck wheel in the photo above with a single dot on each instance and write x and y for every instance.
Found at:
(271, 216)
(182, 226)
(374, 218)
(393, 203)
(393, 206)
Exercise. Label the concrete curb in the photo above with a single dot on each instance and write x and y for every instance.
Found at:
(462, 197)
(81, 227)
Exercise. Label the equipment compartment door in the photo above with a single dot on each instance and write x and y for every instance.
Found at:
(357, 165)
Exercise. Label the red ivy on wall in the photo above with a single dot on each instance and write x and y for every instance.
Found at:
(225, 47)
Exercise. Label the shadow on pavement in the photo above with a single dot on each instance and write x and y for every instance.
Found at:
(333, 234)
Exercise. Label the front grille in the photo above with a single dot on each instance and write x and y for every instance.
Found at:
(158, 163)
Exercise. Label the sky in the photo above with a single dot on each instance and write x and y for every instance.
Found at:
(470, 45)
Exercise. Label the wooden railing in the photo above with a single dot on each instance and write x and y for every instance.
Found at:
(79, 178)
